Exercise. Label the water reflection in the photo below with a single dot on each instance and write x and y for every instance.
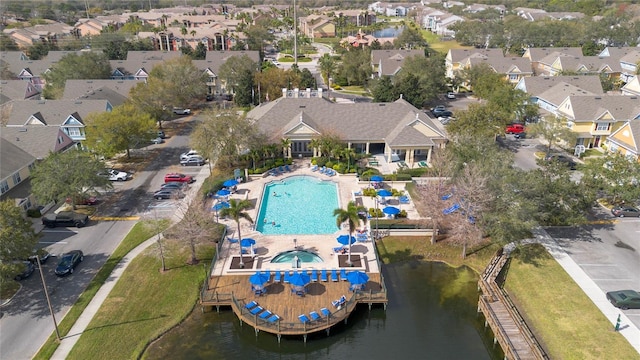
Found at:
(431, 315)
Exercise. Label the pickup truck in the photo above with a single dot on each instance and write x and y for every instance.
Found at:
(65, 218)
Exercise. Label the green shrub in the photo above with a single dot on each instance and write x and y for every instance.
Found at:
(409, 173)
(402, 214)
(33, 213)
(329, 164)
(378, 213)
(369, 192)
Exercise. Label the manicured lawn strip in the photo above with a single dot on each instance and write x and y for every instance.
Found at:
(143, 305)
(138, 234)
(560, 314)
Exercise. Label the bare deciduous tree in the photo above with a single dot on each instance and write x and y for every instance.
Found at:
(197, 226)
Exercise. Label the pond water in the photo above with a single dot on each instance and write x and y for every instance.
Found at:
(431, 315)
(389, 32)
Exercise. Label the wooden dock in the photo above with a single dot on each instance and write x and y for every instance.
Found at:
(235, 291)
(508, 326)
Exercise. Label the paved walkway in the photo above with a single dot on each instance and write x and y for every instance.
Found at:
(590, 288)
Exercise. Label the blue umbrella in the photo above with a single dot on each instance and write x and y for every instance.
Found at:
(384, 192)
(299, 279)
(219, 206)
(223, 192)
(344, 239)
(377, 178)
(357, 277)
(247, 242)
(230, 183)
(391, 210)
(258, 278)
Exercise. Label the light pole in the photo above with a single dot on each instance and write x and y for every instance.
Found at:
(46, 295)
(295, 35)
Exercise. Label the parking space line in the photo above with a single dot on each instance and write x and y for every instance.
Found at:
(608, 279)
(597, 264)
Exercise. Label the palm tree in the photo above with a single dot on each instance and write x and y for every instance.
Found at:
(327, 67)
(285, 147)
(351, 216)
(315, 145)
(236, 211)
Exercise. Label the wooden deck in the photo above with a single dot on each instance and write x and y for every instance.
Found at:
(235, 291)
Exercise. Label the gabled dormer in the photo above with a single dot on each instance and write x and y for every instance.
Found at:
(36, 119)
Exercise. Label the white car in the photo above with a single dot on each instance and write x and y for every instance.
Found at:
(115, 175)
(181, 111)
(451, 95)
(188, 154)
(276, 63)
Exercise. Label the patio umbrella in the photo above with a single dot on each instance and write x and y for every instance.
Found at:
(391, 210)
(357, 277)
(230, 183)
(223, 192)
(377, 178)
(299, 279)
(259, 279)
(344, 239)
(219, 206)
(384, 193)
(247, 242)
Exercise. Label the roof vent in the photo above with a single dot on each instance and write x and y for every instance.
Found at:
(598, 98)
(633, 97)
(23, 130)
(303, 106)
(382, 104)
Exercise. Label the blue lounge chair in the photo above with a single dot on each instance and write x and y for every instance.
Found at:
(265, 314)
(277, 277)
(338, 249)
(273, 318)
(314, 275)
(281, 169)
(334, 275)
(304, 319)
(268, 273)
(287, 275)
(287, 168)
(256, 310)
(325, 312)
(343, 274)
(314, 168)
(251, 305)
(331, 172)
(323, 275)
(314, 316)
(404, 199)
(323, 170)
(343, 299)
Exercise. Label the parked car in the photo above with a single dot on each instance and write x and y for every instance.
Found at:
(27, 269)
(115, 175)
(445, 114)
(562, 159)
(161, 134)
(68, 262)
(451, 95)
(195, 160)
(174, 185)
(188, 154)
(515, 129)
(65, 218)
(178, 178)
(157, 140)
(622, 211)
(624, 299)
(43, 254)
(83, 200)
(163, 194)
(181, 111)
(276, 63)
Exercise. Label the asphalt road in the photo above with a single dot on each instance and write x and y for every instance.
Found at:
(26, 322)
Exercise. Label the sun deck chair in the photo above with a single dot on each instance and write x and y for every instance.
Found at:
(287, 168)
(304, 318)
(281, 169)
(277, 277)
(325, 312)
(314, 316)
(323, 275)
(314, 168)
(343, 274)
(273, 318)
(314, 275)
(334, 275)
(251, 305)
(256, 310)
(404, 199)
(423, 164)
(265, 314)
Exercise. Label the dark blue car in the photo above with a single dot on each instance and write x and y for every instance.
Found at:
(68, 262)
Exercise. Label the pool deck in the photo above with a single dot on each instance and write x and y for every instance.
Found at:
(229, 285)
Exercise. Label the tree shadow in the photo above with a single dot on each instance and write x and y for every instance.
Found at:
(117, 324)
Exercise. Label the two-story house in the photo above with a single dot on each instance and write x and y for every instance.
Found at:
(317, 26)
(15, 169)
(389, 62)
(626, 140)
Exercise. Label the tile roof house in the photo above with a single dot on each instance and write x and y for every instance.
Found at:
(596, 117)
(626, 140)
(389, 62)
(396, 129)
(15, 169)
(43, 33)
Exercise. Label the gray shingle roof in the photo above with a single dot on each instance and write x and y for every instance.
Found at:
(560, 92)
(535, 85)
(75, 89)
(13, 158)
(38, 141)
(591, 108)
(54, 112)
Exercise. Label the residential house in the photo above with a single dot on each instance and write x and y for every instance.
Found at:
(356, 17)
(584, 65)
(43, 33)
(95, 26)
(31, 70)
(114, 91)
(317, 26)
(389, 62)
(632, 87)
(66, 115)
(551, 99)
(438, 21)
(362, 39)
(138, 64)
(542, 59)
(594, 118)
(629, 57)
(456, 59)
(18, 90)
(478, 8)
(397, 129)
(535, 86)
(38, 141)
(626, 140)
(513, 68)
(15, 169)
(391, 9)
(211, 66)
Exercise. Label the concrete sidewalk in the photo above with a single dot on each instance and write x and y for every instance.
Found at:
(590, 288)
(68, 342)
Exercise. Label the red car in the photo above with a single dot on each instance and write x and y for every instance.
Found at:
(515, 129)
(177, 177)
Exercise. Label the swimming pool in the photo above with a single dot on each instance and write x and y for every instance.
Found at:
(303, 255)
(301, 205)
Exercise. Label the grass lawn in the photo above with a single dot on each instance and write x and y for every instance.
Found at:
(138, 234)
(561, 315)
(143, 305)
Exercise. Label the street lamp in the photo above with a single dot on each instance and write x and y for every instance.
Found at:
(46, 295)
